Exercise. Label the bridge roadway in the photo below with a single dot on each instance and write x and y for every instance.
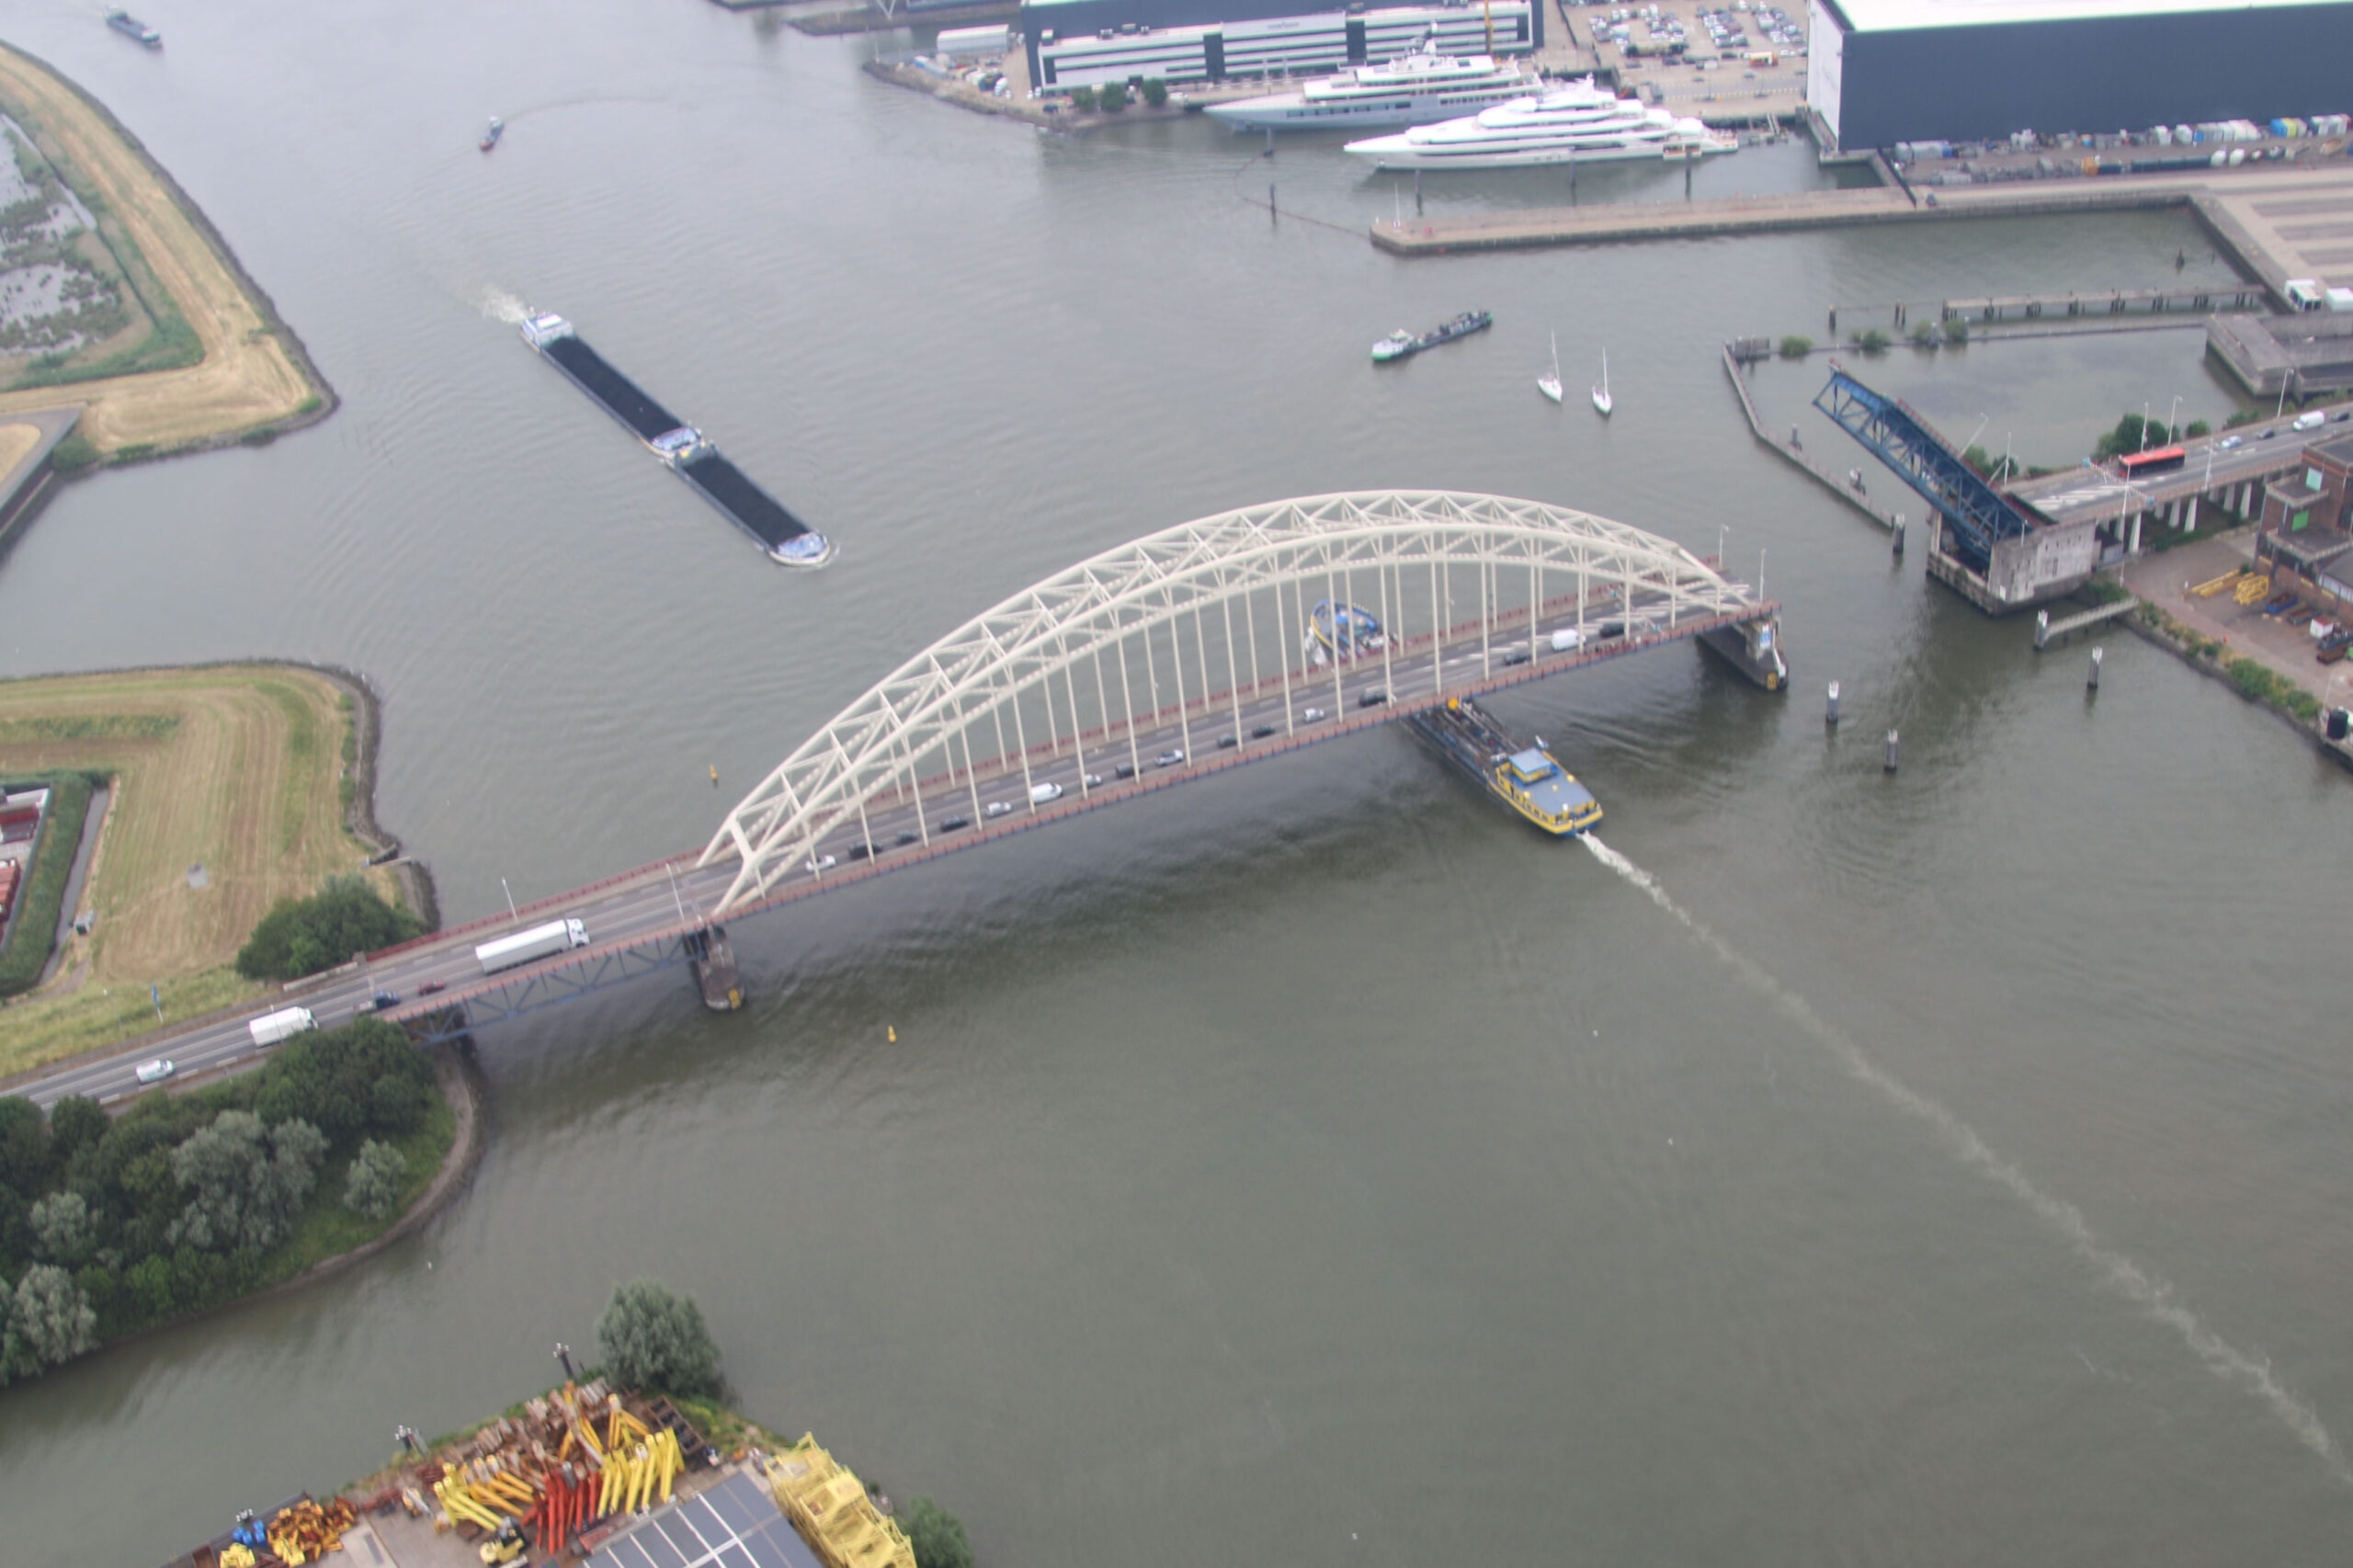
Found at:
(638, 920)
(2260, 452)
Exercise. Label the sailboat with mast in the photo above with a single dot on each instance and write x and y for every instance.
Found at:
(1549, 385)
(1601, 398)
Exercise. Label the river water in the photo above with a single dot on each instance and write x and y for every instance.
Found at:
(1311, 1166)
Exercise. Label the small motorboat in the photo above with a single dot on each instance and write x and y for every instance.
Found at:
(490, 137)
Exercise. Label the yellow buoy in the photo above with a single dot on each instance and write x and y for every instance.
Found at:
(892, 1031)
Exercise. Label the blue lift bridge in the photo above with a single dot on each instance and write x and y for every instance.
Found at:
(1975, 516)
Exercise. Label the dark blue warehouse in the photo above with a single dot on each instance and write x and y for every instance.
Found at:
(1887, 71)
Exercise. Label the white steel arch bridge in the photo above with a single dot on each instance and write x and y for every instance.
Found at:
(1182, 654)
(1219, 630)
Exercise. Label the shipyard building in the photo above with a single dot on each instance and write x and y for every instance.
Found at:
(1082, 43)
(1882, 72)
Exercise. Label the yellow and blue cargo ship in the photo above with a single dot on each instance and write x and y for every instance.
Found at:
(1523, 777)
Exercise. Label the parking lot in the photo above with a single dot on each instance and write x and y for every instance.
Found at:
(1728, 63)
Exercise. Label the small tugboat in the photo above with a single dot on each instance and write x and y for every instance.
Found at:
(1525, 778)
(1403, 345)
(490, 137)
(132, 27)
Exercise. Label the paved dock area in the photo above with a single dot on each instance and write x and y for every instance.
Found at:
(2284, 645)
(2284, 221)
(1729, 84)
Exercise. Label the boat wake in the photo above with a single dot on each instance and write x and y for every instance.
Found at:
(2144, 1290)
(497, 304)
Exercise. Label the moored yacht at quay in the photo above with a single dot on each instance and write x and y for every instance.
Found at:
(1575, 123)
(1423, 87)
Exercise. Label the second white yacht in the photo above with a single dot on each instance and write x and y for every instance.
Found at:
(1575, 123)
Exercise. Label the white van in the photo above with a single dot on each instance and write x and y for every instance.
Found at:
(1040, 794)
(2310, 421)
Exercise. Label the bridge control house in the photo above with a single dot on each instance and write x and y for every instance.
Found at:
(1084, 43)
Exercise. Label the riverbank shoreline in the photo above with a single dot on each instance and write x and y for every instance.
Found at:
(466, 1093)
(2194, 633)
(232, 394)
(358, 815)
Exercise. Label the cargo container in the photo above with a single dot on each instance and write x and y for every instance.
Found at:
(284, 1024)
(555, 936)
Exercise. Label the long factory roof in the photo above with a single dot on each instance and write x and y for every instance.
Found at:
(1896, 16)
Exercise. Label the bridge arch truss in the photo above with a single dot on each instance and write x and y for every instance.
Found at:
(1184, 626)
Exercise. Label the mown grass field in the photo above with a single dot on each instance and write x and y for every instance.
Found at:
(214, 365)
(237, 767)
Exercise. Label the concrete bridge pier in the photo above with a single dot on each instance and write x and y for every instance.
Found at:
(716, 976)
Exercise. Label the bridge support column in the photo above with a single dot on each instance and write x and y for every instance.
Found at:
(2189, 515)
(2134, 547)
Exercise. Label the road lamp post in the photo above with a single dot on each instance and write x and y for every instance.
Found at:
(2171, 415)
(2144, 427)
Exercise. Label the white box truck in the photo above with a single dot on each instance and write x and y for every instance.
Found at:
(555, 936)
(284, 1024)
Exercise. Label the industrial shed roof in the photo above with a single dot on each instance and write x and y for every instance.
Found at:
(1897, 15)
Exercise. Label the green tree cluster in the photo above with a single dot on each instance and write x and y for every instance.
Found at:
(654, 1338)
(373, 1185)
(937, 1535)
(1083, 100)
(110, 1224)
(1111, 96)
(1872, 341)
(2135, 432)
(1155, 91)
(1796, 347)
(301, 937)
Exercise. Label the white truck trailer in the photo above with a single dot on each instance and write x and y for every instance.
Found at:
(555, 936)
(284, 1024)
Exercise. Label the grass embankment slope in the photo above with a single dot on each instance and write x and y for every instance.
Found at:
(238, 768)
(252, 376)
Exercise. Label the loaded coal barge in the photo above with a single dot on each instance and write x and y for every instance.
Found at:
(682, 447)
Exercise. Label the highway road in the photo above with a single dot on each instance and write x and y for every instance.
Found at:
(2229, 458)
(643, 905)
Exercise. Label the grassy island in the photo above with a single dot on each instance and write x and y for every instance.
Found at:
(258, 774)
(160, 334)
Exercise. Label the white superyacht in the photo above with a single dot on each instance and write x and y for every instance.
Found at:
(1575, 123)
(1416, 90)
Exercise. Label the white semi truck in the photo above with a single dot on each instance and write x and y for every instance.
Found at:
(555, 936)
(284, 1024)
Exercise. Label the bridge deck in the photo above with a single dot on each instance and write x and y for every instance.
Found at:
(680, 889)
(649, 918)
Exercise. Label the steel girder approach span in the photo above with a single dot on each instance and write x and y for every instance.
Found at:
(1205, 630)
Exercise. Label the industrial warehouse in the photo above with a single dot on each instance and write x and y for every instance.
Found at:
(1074, 43)
(1887, 71)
